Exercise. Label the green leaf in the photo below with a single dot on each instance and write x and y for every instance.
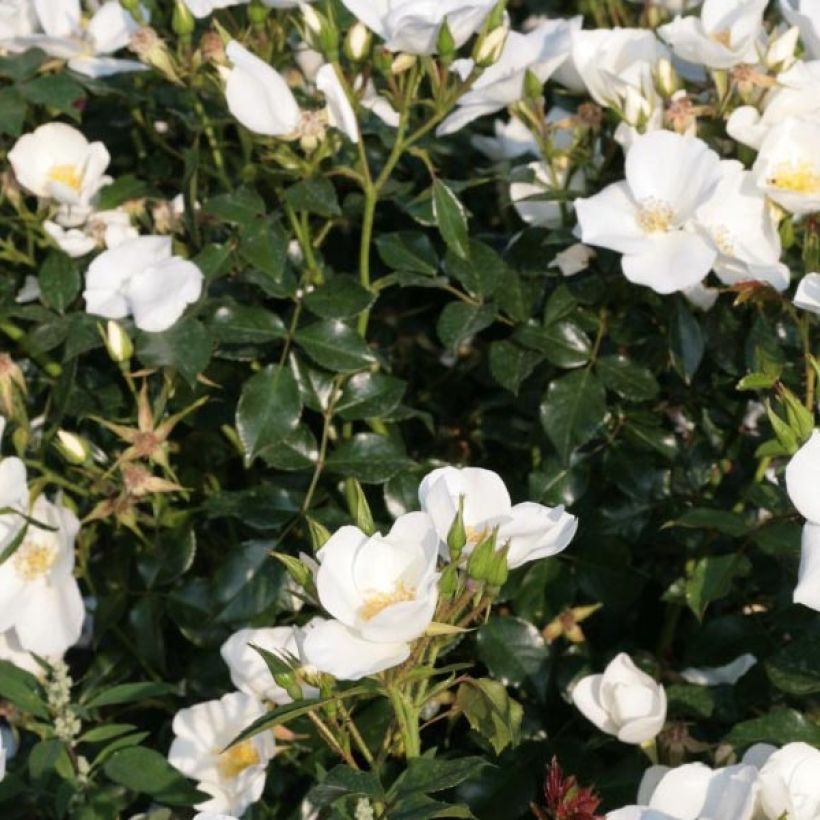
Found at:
(369, 458)
(686, 341)
(451, 219)
(408, 251)
(233, 323)
(515, 652)
(573, 410)
(629, 380)
(49, 756)
(340, 298)
(59, 281)
(240, 207)
(563, 343)
(266, 248)
(370, 395)
(22, 689)
(12, 111)
(316, 196)
(779, 727)
(130, 692)
(122, 189)
(703, 518)
(186, 347)
(297, 451)
(459, 321)
(511, 364)
(435, 774)
(482, 273)
(58, 91)
(336, 346)
(342, 781)
(148, 772)
(691, 701)
(795, 668)
(268, 411)
(491, 712)
(712, 579)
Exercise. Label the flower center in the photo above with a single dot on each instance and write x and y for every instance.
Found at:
(724, 37)
(33, 559)
(238, 758)
(67, 175)
(378, 601)
(656, 216)
(724, 240)
(799, 177)
(476, 536)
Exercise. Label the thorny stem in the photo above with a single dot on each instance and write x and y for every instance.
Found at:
(331, 740)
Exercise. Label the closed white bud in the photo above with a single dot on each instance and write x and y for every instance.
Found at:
(402, 63)
(358, 42)
(312, 19)
(668, 80)
(490, 47)
(75, 450)
(117, 342)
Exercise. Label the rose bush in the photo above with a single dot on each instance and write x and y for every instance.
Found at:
(407, 409)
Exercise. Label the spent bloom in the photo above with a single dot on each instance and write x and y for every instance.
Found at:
(531, 530)
(648, 216)
(142, 278)
(235, 776)
(623, 701)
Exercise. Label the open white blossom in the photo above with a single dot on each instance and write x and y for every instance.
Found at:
(142, 278)
(738, 220)
(17, 19)
(725, 35)
(413, 26)
(39, 595)
(56, 161)
(103, 229)
(648, 216)
(540, 51)
(796, 94)
(13, 496)
(789, 783)
(532, 530)
(234, 777)
(787, 168)
(623, 701)
(250, 673)
(805, 14)
(85, 44)
(385, 587)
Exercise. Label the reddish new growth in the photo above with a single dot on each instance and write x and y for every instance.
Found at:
(566, 800)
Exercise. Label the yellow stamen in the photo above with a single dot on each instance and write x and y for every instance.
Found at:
(475, 536)
(723, 37)
(67, 175)
(379, 601)
(656, 216)
(801, 177)
(33, 559)
(238, 758)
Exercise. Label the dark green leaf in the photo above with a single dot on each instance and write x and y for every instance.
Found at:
(340, 298)
(573, 410)
(148, 772)
(491, 712)
(368, 458)
(369, 395)
(128, 693)
(629, 380)
(408, 251)
(336, 346)
(686, 341)
(59, 281)
(186, 347)
(265, 247)
(451, 219)
(511, 364)
(515, 652)
(316, 196)
(459, 321)
(712, 579)
(795, 668)
(563, 343)
(241, 207)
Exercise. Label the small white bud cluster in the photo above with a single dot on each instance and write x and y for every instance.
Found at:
(67, 725)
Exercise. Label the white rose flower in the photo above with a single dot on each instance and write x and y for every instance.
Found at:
(807, 296)
(541, 52)
(13, 496)
(202, 8)
(796, 94)
(648, 216)
(234, 778)
(725, 35)
(142, 278)
(738, 220)
(573, 260)
(805, 14)
(789, 783)
(638, 813)
(39, 595)
(623, 701)
(340, 113)
(337, 650)
(17, 18)
(250, 673)
(56, 161)
(610, 63)
(696, 792)
(209, 815)
(102, 229)
(87, 45)
(788, 165)
(532, 530)
(383, 587)
(413, 26)
(512, 140)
